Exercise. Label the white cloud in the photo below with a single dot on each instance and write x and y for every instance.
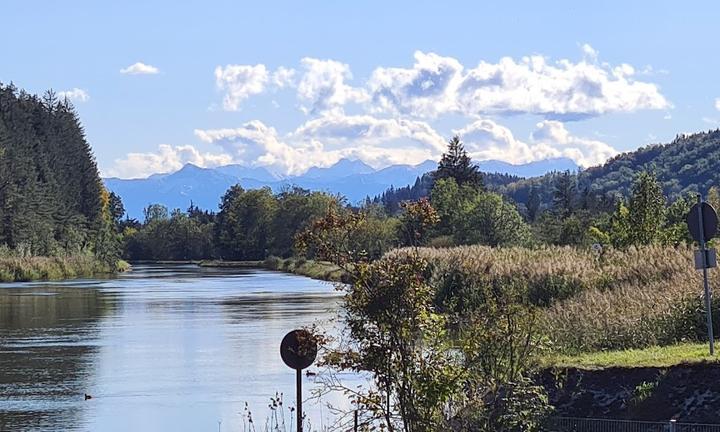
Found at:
(484, 139)
(74, 95)
(563, 89)
(139, 68)
(365, 129)
(283, 77)
(324, 141)
(378, 142)
(323, 88)
(240, 82)
(717, 104)
(590, 52)
(585, 152)
(427, 89)
(167, 159)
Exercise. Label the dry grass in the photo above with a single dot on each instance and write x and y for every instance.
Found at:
(614, 300)
(18, 269)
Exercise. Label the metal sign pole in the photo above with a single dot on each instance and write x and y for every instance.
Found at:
(298, 388)
(298, 350)
(708, 300)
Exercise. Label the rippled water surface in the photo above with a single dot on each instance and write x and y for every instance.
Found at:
(161, 348)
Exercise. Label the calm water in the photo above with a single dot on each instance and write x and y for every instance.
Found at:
(160, 348)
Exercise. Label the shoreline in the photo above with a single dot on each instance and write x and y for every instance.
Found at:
(319, 270)
(44, 268)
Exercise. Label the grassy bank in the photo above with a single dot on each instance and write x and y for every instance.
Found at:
(231, 264)
(22, 269)
(586, 301)
(666, 356)
(321, 270)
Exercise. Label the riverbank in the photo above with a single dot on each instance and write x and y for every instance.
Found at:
(25, 269)
(686, 392)
(320, 270)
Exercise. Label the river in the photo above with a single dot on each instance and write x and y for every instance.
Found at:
(160, 348)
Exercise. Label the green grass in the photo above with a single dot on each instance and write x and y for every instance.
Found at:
(321, 270)
(23, 269)
(649, 357)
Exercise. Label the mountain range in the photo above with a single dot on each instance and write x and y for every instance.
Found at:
(353, 179)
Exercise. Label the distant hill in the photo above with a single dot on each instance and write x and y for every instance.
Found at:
(688, 164)
(351, 178)
(204, 187)
(531, 169)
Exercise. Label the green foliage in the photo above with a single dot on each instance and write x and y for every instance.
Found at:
(17, 267)
(456, 164)
(564, 195)
(472, 216)
(434, 365)
(244, 223)
(52, 201)
(417, 220)
(647, 210)
(296, 208)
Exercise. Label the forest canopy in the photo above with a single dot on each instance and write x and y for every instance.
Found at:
(52, 201)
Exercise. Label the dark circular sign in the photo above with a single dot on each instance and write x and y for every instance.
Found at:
(298, 349)
(710, 221)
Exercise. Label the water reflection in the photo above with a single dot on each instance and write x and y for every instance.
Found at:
(160, 348)
(48, 336)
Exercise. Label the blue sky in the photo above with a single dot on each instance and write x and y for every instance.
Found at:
(289, 85)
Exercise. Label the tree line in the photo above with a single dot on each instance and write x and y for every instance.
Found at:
(52, 201)
(255, 224)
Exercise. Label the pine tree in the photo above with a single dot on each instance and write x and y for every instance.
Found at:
(564, 195)
(533, 203)
(456, 164)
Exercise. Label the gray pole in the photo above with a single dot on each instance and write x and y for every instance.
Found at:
(708, 300)
(298, 388)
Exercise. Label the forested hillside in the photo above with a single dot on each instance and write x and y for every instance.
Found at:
(52, 202)
(688, 164)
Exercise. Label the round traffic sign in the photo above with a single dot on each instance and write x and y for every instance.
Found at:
(298, 349)
(709, 221)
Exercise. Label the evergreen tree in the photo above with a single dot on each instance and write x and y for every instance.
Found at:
(52, 200)
(533, 204)
(564, 195)
(456, 164)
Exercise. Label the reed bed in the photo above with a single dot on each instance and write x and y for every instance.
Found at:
(590, 300)
(29, 268)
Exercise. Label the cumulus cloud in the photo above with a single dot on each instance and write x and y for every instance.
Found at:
(74, 95)
(240, 82)
(139, 68)
(429, 88)
(325, 140)
(562, 89)
(167, 159)
(484, 139)
(717, 104)
(376, 141)
(370, 130)
(323, 88)
(283, 77)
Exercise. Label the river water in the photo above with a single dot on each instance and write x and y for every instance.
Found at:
(161, 348)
